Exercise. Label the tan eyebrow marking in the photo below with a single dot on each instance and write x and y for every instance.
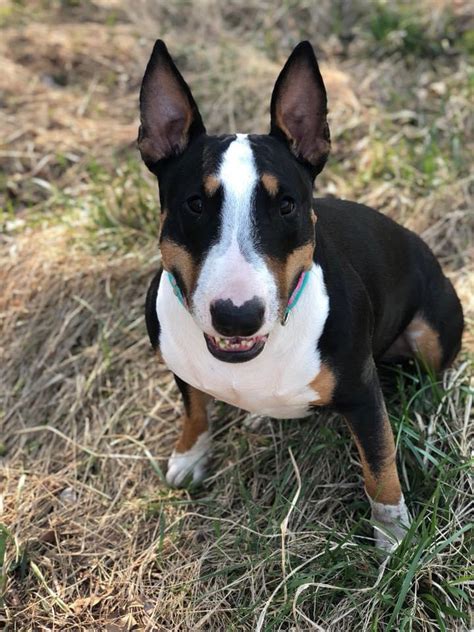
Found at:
(211, 184)
(270, 183)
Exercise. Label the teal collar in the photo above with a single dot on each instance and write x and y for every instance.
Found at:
(295, 295)
(177, 291)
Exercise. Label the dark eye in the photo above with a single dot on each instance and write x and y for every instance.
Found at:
(194, 204)
(287, 206)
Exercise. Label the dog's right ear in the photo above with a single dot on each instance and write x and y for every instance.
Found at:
(169, 115)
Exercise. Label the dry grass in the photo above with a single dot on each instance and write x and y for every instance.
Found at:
(91, 538)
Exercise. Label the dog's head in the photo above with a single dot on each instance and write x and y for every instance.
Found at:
(237, 226)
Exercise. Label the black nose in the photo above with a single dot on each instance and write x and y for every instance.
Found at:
(230, 320)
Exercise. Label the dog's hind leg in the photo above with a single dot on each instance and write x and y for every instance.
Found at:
(368, 421)
(190, 456)
(434, 333)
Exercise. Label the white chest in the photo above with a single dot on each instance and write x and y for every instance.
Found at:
(277, 382)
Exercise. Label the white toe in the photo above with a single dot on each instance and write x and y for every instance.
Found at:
(190, 465)
(253, 422)
(390, 524)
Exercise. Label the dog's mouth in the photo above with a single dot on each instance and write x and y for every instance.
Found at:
(235, 348)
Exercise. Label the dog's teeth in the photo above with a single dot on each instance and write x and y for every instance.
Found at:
(232, 344)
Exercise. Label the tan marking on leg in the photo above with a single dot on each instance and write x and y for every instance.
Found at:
(285, 272)
(384, 485)
(270, 184)
(424, 342)
(211, 184)
(174, 256)
(191, 453)
(194, 423)
(323, 384)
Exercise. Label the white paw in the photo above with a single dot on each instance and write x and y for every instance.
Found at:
(390, 524)
(190, 466)
(253, 422)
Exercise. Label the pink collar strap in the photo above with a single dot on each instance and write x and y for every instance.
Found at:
(295, 295)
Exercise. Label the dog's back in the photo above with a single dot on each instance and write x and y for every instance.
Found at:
(400, 274)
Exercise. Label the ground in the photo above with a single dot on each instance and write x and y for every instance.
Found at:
(278, 536)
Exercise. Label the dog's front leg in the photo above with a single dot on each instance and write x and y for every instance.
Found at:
(190, 455)
(370, 426)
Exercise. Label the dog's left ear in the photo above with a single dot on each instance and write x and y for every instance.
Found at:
(299, 108)
(169, 115)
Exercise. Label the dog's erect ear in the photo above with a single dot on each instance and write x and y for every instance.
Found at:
(299, 108)
(169, 115)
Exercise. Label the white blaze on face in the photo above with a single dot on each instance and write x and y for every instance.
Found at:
(233, 269)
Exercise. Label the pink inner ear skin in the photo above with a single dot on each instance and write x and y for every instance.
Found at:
(167, 117)
(299, 106)
(167, 109)
(306, 131)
